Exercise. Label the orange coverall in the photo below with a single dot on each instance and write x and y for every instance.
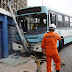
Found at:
(49, 42)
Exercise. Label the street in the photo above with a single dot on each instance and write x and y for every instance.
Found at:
(66, 58)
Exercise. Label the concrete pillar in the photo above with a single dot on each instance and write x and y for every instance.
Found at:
(5, 37)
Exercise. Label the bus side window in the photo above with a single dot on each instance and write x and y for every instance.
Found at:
(60, 20)
(53, 18)
(66, 21)
(70, 21)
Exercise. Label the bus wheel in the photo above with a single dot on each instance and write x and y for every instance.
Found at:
(61, 44)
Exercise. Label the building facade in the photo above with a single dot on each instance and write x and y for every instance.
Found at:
(17, 4)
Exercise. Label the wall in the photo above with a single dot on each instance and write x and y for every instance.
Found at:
(18, 4)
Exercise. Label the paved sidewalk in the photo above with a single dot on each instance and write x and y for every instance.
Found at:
(30, 66)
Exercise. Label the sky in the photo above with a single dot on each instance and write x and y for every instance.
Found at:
(64, 6)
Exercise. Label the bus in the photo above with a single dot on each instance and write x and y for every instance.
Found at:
(35, 23)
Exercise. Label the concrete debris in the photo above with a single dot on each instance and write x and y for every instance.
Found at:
(13, 61)
(62, 63)
(33, 57)
(26, 71)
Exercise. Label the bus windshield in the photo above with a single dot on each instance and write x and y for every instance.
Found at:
(33, 24)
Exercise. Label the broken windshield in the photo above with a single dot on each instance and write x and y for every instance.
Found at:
(34, 24)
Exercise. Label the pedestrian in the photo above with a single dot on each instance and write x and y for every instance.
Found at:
(49, 43)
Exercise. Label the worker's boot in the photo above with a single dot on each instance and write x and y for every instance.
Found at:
(57, 71)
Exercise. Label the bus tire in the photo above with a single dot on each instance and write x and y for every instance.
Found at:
(61, 45)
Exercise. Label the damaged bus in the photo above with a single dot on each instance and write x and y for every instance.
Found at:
(35, 23)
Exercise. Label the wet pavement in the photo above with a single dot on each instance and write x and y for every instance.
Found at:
(66, 58)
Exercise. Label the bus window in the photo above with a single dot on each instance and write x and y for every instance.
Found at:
(70, 22)
(53, 18)
(66, 18)
(44, 21)
(24, 25)
(66, 21)
(34, 25)
(60, 20)
(38, 23)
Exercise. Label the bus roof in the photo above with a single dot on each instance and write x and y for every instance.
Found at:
(26, 11)
(44, 10)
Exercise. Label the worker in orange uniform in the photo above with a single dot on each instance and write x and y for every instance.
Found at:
(49, 42)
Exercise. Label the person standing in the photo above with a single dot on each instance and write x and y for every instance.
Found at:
(49, 42)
